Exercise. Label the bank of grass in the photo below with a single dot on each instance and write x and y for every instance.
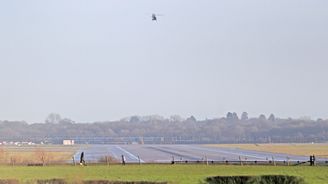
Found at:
(33, 153)
(33, 157)
(295, 149)
(159, 172)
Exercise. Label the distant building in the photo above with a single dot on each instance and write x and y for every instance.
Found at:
(68, 142)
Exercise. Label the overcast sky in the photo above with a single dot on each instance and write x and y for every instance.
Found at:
(102, 60)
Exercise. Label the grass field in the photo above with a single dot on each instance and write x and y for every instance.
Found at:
(294, 149)
(33, 154)
(171, 173)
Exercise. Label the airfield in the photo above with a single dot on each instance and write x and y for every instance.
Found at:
(164, 153)
(155, 162)
(181, 153)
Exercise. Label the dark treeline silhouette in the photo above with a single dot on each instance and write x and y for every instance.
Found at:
(157, 129)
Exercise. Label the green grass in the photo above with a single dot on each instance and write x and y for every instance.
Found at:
(171, 173)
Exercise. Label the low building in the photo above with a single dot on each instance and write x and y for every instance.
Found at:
(68, 142)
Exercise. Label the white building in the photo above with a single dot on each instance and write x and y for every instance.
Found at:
(68, 142)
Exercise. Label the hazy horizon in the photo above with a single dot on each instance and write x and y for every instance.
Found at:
(104, 60)
(252, 116)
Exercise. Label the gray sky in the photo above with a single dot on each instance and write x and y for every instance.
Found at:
(105, 59)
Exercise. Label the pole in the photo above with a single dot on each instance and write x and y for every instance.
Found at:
(273, 161)
(107, 160)
(139, 160)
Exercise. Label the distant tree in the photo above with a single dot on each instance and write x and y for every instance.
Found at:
(152, 118)
(66, 121)
(192, 118)
(229, 116)
(166, 130)
(176, 118)
(305, 118)
(53, 118)
(134, 119)
(244, 116)
(272, 118)
(235, 116)
(262, 117)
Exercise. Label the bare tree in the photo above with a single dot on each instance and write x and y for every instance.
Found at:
(43, 156)
(2, 155)
(14, 159)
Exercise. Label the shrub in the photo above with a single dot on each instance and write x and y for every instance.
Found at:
(266, 179)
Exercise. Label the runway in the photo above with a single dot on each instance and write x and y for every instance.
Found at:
(167, 153)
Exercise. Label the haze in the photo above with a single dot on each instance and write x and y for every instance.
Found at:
(106, 59)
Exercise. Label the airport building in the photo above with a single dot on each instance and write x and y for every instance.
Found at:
(68, 142)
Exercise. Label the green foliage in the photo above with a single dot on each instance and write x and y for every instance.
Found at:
(184, 174)
(267, 179)
(229, 180)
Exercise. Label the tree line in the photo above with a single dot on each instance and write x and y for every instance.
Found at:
(228, 129)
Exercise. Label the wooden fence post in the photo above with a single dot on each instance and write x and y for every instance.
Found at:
(139, 160)
(273, 161)
(107, 160)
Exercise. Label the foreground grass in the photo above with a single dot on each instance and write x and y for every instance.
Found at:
(171, 173)
(294, 149)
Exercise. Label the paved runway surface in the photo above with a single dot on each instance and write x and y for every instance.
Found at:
(165, 153)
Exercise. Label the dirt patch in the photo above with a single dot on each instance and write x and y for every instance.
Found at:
(9, 181)
(266, 179)
(51, 181)
(121, 182)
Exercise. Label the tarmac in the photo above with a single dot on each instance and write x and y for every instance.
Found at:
(168, 153)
